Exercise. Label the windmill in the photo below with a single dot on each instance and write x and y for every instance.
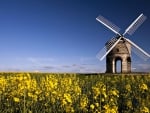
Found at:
(119, 47)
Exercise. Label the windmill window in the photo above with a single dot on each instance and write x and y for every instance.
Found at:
(128, 59)
(117, 50)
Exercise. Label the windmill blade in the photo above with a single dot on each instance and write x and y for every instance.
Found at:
(135, 24)
(138, 51)
(110, 45)
(108, 24)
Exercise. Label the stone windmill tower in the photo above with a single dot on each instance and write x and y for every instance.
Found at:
(122, 52)
(119, 48)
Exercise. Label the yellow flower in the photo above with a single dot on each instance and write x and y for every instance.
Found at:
(92, 106)
(34, 97)
(114, 92)
(83, 101)
(64, 102)
(69, 109)
(128, 87)
(97, 104)
(96, 91)
(68, 97)
(106, 106)
(143, 87)
(129, 103)
(30, 94)
(16, 99)
(144, 110)
(53, 100)
(77, 90)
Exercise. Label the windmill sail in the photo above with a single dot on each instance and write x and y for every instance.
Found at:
(108, 47)
(135, 24)
(138, 51)
(108, 24)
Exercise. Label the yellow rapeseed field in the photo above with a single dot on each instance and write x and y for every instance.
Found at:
(74, 93)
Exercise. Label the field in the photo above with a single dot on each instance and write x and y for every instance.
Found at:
(74, 93)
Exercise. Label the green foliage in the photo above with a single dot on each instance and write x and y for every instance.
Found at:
(92, 93)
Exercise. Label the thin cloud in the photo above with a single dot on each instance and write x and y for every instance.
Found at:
(66, 66)
(48, 67)
(142, 67)
(85, 65)
(74, 65)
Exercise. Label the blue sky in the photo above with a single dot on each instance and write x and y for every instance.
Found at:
(64, 36)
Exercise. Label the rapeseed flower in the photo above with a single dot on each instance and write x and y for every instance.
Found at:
(92, 106)
(144, 110)
(143, 86)
(16, 99)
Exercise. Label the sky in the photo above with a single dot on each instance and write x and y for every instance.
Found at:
(64, 36)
